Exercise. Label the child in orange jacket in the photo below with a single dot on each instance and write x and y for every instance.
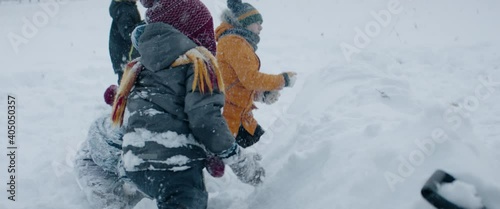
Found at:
(237, 38)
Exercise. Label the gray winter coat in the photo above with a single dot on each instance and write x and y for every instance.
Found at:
(170, 127)
(105, 143)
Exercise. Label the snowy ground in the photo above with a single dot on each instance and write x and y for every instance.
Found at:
(419, 92)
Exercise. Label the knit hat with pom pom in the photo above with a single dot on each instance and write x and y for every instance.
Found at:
(109, 94)
(245, 12)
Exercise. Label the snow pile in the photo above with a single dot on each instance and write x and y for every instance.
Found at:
(461, 194)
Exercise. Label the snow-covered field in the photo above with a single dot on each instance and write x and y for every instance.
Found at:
(388, 92)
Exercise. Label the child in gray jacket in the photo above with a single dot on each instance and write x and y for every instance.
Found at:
(97, 165)
(174, 94)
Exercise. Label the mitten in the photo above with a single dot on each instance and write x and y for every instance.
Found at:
(110, 94)
(215, 166)
(290, 78)
(245, 165)
(271, 97)
(258, 96)
(268, 97)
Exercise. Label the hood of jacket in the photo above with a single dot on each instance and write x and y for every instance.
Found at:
(161, 44)
(223, 27)
(121, 8)
(228, 21)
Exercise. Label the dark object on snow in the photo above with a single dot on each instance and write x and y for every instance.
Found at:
(430, 190)
(383, 94)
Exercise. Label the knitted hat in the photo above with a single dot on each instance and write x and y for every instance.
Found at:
(191, 17)
(109, 94)
(246, 13)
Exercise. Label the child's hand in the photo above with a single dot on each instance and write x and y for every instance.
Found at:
(271, 97)
(245, 165)
(267, 97)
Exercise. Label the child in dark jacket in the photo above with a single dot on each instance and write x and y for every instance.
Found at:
(125, 18)
(174, 95)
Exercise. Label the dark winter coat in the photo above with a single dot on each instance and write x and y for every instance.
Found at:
(125, 18)
(170, 125)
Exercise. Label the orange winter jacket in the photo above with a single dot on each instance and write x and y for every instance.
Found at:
(240, 72)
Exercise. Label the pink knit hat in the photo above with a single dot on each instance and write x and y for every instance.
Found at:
(109, 94)
(191, 17)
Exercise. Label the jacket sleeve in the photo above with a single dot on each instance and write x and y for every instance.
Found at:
(105, 143)
(246, 67)
(205, 117)
(127, 21)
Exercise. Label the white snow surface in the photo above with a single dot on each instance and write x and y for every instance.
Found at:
(461, 194)
(421, 93)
